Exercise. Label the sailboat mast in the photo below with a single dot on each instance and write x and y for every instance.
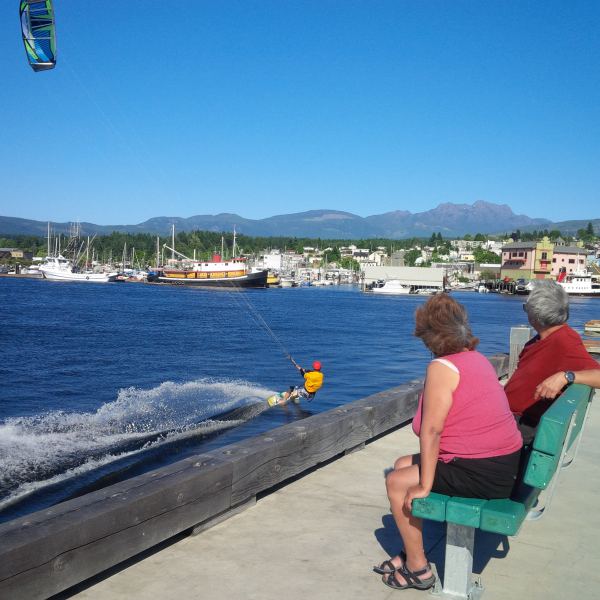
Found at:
(233, 255)
(173, 242)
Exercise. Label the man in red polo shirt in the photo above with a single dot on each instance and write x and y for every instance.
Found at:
(550, 361)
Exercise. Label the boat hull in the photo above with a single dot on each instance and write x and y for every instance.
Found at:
(250, 280)
(82, 277)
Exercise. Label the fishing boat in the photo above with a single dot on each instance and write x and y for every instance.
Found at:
(65, 267)
(59, 268)
(579, 283)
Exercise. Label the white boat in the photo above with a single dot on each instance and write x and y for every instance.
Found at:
(287, 282)
(592, 327)
(523, 286)
(58, 268)
(580, 283)
(392, 286)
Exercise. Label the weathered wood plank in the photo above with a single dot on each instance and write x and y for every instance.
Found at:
(60, 550)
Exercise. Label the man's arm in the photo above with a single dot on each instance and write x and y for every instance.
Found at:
(553, 385)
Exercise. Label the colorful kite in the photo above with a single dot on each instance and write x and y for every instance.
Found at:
(37, 25)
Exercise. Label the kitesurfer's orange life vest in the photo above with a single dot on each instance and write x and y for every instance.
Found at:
(313, 380)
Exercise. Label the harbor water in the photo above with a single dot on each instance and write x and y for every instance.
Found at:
(103, 382)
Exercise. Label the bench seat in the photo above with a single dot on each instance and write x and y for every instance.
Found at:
(557, 433)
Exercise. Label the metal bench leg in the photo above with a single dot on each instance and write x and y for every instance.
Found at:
(458, 580)
(567, 463)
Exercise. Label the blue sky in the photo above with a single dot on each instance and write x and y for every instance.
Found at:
(162, 108)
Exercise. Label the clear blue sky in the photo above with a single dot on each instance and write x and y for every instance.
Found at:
(163, 108)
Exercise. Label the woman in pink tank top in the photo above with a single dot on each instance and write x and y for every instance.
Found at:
(469, 441)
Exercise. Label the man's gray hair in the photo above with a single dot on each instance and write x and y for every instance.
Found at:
(548, 303)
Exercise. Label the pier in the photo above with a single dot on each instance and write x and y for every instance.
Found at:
(319, 536)
(300, 510)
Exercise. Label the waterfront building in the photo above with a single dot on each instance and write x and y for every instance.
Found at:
(541, 260)
(492, 268)
(518, 260)
(271, 261)
(417, 277)
(572, 258)
(397, 258)
(6, 253)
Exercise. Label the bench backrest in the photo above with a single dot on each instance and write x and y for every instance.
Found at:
(559, 427)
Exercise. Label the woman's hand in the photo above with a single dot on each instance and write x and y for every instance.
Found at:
(416, 491)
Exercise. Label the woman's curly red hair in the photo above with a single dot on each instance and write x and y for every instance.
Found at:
(443, 326)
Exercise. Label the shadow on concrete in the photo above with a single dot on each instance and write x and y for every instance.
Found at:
(487, 545)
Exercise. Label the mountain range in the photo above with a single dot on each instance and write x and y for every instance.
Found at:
(451, 220)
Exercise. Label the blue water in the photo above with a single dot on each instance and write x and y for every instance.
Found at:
(102, 382)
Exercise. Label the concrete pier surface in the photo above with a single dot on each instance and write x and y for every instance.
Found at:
(319, 536)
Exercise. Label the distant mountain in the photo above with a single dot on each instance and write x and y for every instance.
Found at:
(452, 220)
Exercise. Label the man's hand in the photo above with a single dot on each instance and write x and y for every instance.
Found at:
(551, 386)
(416, 491)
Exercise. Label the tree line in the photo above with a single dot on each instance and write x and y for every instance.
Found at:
(206, 243)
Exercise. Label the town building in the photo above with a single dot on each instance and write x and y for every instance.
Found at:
(540, 260)
(6, 253)
(417, 277)
(572, 258)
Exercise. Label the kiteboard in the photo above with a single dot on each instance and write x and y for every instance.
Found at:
(276, 398)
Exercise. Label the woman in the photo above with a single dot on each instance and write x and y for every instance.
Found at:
(468, 438)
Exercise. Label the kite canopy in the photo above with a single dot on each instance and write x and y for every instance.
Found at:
(37, 25)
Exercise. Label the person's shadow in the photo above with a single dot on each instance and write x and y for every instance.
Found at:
(487, 545)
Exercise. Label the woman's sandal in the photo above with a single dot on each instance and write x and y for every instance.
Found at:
(412, 578)
(387, 566)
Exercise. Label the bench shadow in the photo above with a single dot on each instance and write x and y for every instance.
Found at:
(488, 546)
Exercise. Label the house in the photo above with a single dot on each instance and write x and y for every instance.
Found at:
(572, 258)
(518, 260)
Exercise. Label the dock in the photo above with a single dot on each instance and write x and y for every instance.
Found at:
(319, 536)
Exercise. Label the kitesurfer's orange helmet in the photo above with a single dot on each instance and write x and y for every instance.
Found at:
(317, 365)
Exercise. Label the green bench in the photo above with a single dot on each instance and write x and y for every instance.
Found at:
(554, 448)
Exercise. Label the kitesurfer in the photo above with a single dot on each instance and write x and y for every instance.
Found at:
(313, 380)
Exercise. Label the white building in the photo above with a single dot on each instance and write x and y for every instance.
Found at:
(418, 277)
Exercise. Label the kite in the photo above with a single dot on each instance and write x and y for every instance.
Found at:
(39, 37)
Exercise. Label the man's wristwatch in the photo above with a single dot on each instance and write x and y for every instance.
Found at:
(570, 377)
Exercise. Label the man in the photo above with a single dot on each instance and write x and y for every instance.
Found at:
(550, 361)
(313, 380)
